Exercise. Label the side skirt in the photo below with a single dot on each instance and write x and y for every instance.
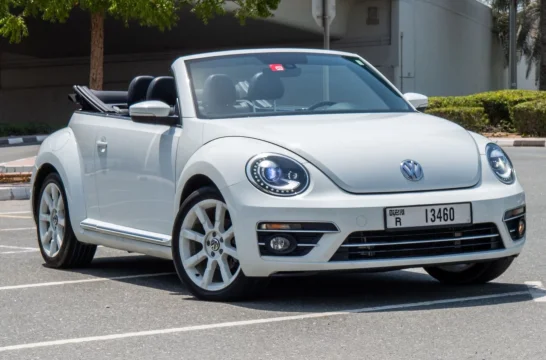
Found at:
(127, 239)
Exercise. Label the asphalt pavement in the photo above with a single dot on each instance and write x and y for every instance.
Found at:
(18, 152)
(128, 306)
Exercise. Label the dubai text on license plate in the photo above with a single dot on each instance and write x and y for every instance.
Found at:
(430, 215)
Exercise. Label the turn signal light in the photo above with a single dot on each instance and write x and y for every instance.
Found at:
(279, 226)
(513, 213)
(300, 226)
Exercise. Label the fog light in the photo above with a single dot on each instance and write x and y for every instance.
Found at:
(281, 244)
(521, 227)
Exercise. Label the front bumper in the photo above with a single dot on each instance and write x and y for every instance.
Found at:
(324, 202)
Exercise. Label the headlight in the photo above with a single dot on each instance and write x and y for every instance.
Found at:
(277, 175)
(500, 164)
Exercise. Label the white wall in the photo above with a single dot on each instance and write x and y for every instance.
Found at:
(298, 13)
(524, 82)
(449, 48)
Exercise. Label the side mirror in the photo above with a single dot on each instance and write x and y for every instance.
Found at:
(420, 102)
(154, 112)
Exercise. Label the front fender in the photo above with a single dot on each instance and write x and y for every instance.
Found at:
(61, 151)
(224, 161)
(481, 141)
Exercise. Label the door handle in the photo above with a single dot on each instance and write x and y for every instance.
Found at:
(102, 145)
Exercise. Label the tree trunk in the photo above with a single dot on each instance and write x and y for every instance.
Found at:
(97, 51)
(542, 40)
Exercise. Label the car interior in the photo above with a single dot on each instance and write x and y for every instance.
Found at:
(219, 95)
(141, 88)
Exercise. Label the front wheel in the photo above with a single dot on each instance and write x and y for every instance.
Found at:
(479, 273)
(205, 251)
(58, 244)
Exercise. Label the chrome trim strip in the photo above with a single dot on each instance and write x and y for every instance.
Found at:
(299, 231)
(514, 217)
(302, 245)
(125, 232)
(419, 242)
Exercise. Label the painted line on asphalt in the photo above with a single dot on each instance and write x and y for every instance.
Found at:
(15, 217)
(254, 322)
(18, 247)
(57, 283)
(15, 212)
(16, 252)
(537, 290)
(19, 229)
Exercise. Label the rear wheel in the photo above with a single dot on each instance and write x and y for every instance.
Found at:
(478, 273)
(57, 241)
(205, 251)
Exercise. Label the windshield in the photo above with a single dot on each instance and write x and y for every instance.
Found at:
(269, 84)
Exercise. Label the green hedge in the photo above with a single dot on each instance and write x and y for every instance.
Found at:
(530, 118)
(25, 129)
(453, 101)
(471, 118)
(497, 105)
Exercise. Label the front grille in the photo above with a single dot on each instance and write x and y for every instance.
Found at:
(372, 245)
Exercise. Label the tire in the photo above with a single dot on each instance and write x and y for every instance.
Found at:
(213, 249)
(49, 219)
(479, 273)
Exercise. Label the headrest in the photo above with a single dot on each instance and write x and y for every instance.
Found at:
(138, 88)
(219, 91)
(265, 86)
(162, 88)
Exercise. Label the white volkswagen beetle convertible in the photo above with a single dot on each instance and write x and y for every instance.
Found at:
(248, 164)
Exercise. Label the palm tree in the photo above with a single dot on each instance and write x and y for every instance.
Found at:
(528, 37)
(542, 45)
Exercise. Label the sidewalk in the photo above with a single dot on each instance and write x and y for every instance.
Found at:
(519, 142)
(14, 179)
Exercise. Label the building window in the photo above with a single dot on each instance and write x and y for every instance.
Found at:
(373, 17)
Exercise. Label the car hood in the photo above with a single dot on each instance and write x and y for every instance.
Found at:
(362, 153)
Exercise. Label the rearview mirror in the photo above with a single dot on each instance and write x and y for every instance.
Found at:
(155, 112)
(420, 102)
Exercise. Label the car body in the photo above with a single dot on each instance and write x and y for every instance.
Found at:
(230, 168)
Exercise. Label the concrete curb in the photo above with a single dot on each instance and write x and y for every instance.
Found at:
(519, 142)
(22, 140)
(20, 166)
(15, 192)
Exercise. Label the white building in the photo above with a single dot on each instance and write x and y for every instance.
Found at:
(434, 47)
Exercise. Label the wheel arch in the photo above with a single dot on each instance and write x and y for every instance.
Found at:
(39, 178)
(195, 183)
(60, 153)
(221, 163)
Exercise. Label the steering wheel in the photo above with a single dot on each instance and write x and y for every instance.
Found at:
(321, 104)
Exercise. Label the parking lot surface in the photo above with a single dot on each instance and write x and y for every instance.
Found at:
(18, 152)
(128, 306)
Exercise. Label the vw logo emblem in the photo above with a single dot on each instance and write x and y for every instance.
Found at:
(411, 170)
(215, 245)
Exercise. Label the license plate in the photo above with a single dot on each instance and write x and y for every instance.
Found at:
(432, 215)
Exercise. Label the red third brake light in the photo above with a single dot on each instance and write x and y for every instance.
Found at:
(276, 67)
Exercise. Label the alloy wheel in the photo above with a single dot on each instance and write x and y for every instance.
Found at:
(51, 221)
(207, 246)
